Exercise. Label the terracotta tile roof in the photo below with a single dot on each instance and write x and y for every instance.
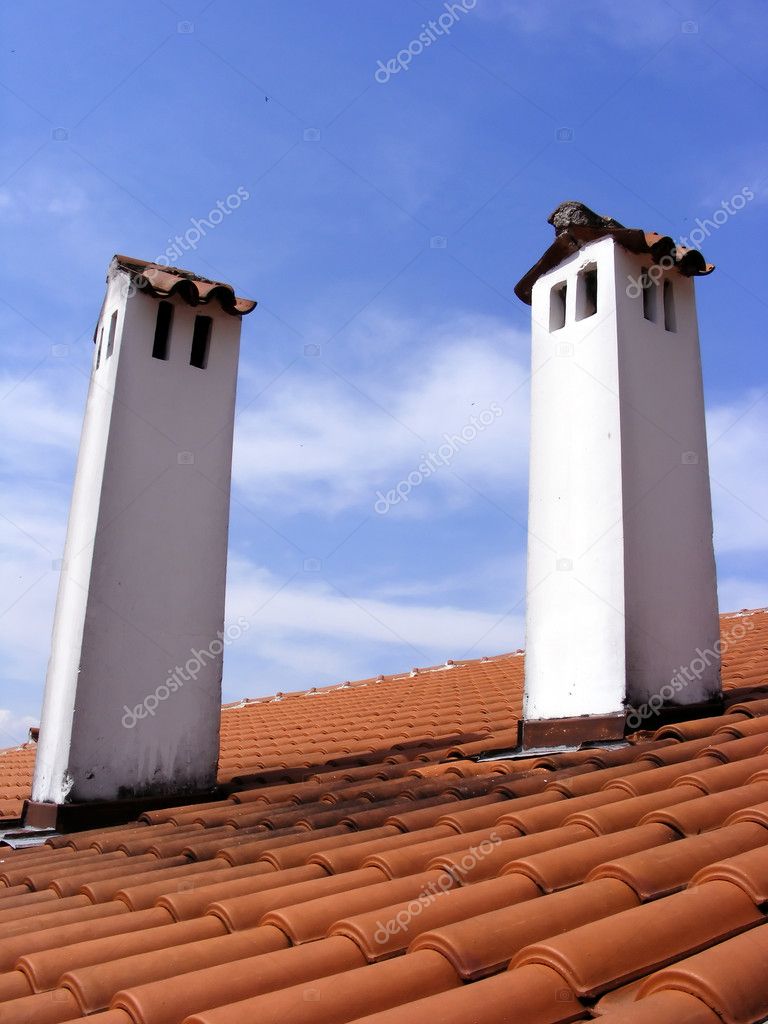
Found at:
(418, 716)
(162, 281)
(576, 226)
(363, 869)
(16, 767)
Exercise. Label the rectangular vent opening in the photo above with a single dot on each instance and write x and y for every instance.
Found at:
(586, 293)
(112, 332)
(557, 306)
(650, 292)
(670, 316)
(201, 342)
(161, 347)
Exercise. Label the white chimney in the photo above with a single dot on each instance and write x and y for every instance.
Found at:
(621, 590)
(133, 690)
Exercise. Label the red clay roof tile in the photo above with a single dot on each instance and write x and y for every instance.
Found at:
(385, 931)
(311, 919)
(487, 942)
(707, 812)
(734, 750)
(666, 1007)
(405, 860)
(43, 969)
(747, 868)
(13, 985)
(662, 870)
(537, 995)
(172, 999)
(609, 953)
(95, 986)
(373, 987)
(724, 978)
(63, 934)
(40, 1008)
(247, 911)
(487, 857)
(160, 280)
(561, 867)
(374, 783)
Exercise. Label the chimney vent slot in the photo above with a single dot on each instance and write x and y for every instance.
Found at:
(670, 318)
(112, 332)
(161, 345)
(201, 339)
(650, 296)
(586, 293)
(557, 306)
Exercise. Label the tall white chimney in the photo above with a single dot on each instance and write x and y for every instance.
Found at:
(133, 690)
(621, 589)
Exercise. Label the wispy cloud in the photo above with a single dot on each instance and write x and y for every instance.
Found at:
(14, 728)
(737, 592)
(305, 634)
(320, 441)
(42, 196)
(318, 446)
(739, 471)
(627, 25)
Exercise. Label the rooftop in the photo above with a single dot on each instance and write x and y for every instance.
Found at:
(370, 860)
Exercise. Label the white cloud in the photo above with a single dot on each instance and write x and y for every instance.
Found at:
(737, 592)
(322, 609)
(316, 441)
(739, 473)
(312, 633)
(627, 25)
(14, 729)
(31, 539)
(42, 196)
(39, 422)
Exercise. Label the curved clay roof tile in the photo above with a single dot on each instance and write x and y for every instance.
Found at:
(572, 234)
(162, 282)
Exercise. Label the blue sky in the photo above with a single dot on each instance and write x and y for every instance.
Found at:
(387, 223)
